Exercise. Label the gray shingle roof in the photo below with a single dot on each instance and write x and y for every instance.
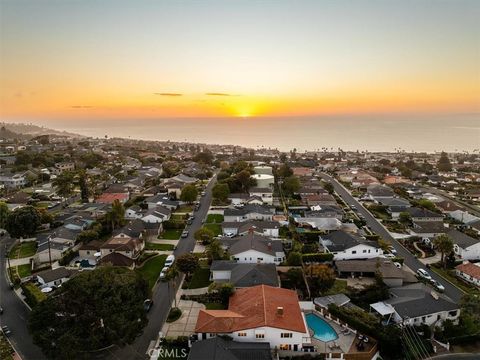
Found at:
(220, 349)
(461, 239)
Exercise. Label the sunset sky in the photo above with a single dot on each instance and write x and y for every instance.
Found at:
(152, 59)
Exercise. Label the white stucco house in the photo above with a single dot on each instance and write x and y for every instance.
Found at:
(346, 246)
(261, 314)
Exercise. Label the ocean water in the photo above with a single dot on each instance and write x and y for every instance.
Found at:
(419, 133)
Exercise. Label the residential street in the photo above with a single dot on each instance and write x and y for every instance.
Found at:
(15, 313)
(413, 263)
(159, 311)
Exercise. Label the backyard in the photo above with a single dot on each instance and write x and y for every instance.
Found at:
(23, 250)
(152, 268)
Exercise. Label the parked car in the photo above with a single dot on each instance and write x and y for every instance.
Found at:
(6, 330)
(437, 285)
(169, 260)
(203, 193)
(189, 222)
(230, 234)
(147, 304)
(1, 310)
(389, 256)
(397, 264)
(392, 249)
(163, 273)
(184, 234)
(424, 274)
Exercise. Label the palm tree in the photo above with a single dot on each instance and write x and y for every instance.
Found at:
(64, 183)
(444, 244)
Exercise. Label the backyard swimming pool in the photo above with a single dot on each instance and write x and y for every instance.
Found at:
(321, 329)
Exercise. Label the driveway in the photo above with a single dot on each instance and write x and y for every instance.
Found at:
(185, 326)
(410, 260)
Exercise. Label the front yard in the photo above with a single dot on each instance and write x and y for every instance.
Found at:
(160, 247)
(215, 228)
(171, 234)
(6, 351)
(152, 268)
(23, 250)
(200, 279)
(215, 218)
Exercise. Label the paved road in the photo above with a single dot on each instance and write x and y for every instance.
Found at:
(413, 263)
(162, 301)
(15, 313)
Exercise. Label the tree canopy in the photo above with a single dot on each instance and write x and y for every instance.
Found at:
(23, 222)
(93, 310)
(444, 162)
(220, 192)
(189, 193)
(4, 211)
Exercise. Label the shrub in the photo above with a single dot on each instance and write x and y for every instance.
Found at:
(174, 314)
(33, 295)
(323, 257)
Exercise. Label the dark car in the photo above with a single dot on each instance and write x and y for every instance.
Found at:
(1, 310)
(6, 330)
(147, 304)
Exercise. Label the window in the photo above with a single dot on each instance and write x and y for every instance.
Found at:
(285, 347)
(354, 251)
(364, 251)
(286, 335)
(260, 336)
(242, 334)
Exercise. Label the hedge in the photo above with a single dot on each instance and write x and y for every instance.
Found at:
(399, 260)
(323, 257)
(33, 295)
(173, 225)
(68, 257)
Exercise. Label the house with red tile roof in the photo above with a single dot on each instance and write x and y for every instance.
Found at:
(469, 272)
(258, 314)
(109, 198)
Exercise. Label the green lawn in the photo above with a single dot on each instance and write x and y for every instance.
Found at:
(200, 279)
(340, 286)
(23, 250)
(152, 268)
(214, 306)
(177, 217)
(215, 228)
(214, 218)
(24, 270)
(184, 209)
(161, 247)
(171, 234)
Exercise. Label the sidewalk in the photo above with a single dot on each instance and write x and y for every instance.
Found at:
(21, 261)
(199, 291)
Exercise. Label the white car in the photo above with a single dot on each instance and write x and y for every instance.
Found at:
(397, 264)
(230, 234)
(392, 249)
(163, 273)
(389, 256)
(169, 261)
(424, 274)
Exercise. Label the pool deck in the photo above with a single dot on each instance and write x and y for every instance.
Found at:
(344, 342)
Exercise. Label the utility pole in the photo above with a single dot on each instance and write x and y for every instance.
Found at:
(8, 260)
(49, 250)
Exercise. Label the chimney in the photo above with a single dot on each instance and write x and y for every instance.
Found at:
(279, 310)
(269, 246)
(250, 230)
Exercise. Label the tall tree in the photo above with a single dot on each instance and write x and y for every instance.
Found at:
(322, 275)
(23, 222)
(64, 183)
(444, 244)
(215, 251)
(220, 192)
(82, 182)
(4, 211)
(204, 235)
(93, 310)
(189, 193)
(187, 263)
(444, 162)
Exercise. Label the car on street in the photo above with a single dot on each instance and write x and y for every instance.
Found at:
(203, 193)
(163, 273)
(422, 273)
(437, 285)
(189, 222)
(169, 260)
(147, 304)
(6, 330)
(392, 249)
(397, 264)
(184, 234)
(389, 256)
